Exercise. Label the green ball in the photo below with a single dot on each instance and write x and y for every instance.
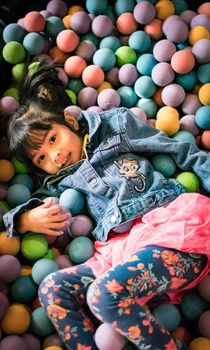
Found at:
(189, 181)
(18, 71)
(80, 249)
(50, 254)
(73, 97)
(125, 54)
(20, 167)
(13, 52)
(32, 68)
(34, 246)
(23, 289)
(13, 92)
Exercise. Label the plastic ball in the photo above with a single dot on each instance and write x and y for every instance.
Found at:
(108, 98)
(205, 139)
(144, 12)
(7, 170)
(188, 81)
(18, 71)
(57, 7)
(13, 32)
(4, 303)
(16, 319)
(31, 341)
(203, 73)
(182, 334)
(200, 20)
(40, 323)
(202, 117)
(43, 268)
(23, 289)
(163, 50)
(86, 50)
(102, 86)
(201, 50)
(9, 245)
(184, 136)
(126, 23)
(187, 123)
(145, 64)
(125, 226)
(189, 181)
(139, 113)
(177, 32)
(148, 106)
(13, 52)
(203, 324)
(53, 348)
(9, 268)
(57, 55)
(173, 95)
(74, 110)
(63, 261)
(197, 33)
(122, 6)
(182, 61)
(52, 340)
(96, 7)
(191, 104)
(80, 249)
(125, 54)
(111, 77)
(74, 66)
(102, 26)
(187, 16)
(87, 97)
(53, 26)
(34, 246)
(17, 194)
(104, 58)
(34, 22)
(139, 41)
(200, 343)
(204, 9)
(80, 22)
(3, 190)
(107, 338)
(34, 43)
(154, 29)
(67, 40)
(110, 42)
(13, 342)
(204, 288)
(144, 87)
(128, 96)
(162, 74)
(161, 313)
(164, 164)
(81, 225)
(73, 200)
(204, 94)
(168, 120)
(164, 9)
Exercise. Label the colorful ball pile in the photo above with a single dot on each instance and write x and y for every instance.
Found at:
(150, 56)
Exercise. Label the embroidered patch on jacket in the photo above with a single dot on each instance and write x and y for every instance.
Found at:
(129, 169)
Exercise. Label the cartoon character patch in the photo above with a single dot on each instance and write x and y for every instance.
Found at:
(129, 169)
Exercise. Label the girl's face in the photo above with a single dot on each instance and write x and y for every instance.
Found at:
(60, 148)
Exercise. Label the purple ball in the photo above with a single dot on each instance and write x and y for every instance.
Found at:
(112, 77)
(204, 288)
(87, 97)
(177, 31)
(9, 268)
(144, 12)
(63, 240)
(201, 50)
(173, 95)
(31, 341)
(200, 20)
(128, 74)
(63, 261)
(3, 190)
(168, 21)
(74, 110)
(187, 16)
(8, 106)
(102, 26)
(108, 98)
(81, 225)
(80, 22)
(203, 324)
(162, 74)
(57, 8)
(163, 50)
(187, 123)
(86, 50)
(191, 104)
(139, 113)
(45, 13)
(13, 342)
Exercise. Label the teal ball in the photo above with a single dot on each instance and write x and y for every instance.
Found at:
(162, 312)
(23, 179)
(97, 7)
(104, 58)
(23, 289)
(145, 63)
(203, 73)
(149, 106)
(17, 194)
(184, 136)
(40, 323)
(202, 117)
(122, 6)
(110, 42)
(188, 81)
(53, 26)
(128, 96)
(13, 52)
(42, 268)
(164, 164)
(193, 305)
(80, 249)
(13, 32)
(140, 41)
(144, 87)
(73, 200)
(34, 43)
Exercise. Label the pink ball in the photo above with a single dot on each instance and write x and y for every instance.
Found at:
(86, 50)
(102, 26)
(162, 74)
(74, 110)
(57, 8)
(187, 16)
(93, 75)
(87, 97)
(187, 123)
(163, 50)
(144, 12)
(96, 109)
(128, 74)
(74, 66)
(67, 40)
(203, 324)
(108, 98)
(107, 338)
(8, 105)
(80, 22)
(201, 50)
(177, 31)
(173, 95)
(191, 104)
(45, 14)
(34, 22)
(139, 113)
(13, 342)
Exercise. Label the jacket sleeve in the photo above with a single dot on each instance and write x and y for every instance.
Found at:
(143, 138)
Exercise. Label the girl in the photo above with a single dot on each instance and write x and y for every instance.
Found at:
(152, 258)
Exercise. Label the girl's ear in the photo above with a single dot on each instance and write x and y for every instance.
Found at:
(71, 120)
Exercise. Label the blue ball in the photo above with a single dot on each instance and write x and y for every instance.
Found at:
(97, 7)
(80, 249)
(140, 41)
(164, 164)
(145, 63)
(75, 85)
(193, 305)
(168, 316)
(184, 136)
(42, 268)
(187, 81)
(40, 323)
(23, 179)
(13, 32)
(73, 200)
(104, 58)
(17, 194)
(128, 96)
(144, 87)
(149, 106)
(203, 73)
(53, 26)
(202, 117)
(122, 6)
(110, 42)
(34, 43)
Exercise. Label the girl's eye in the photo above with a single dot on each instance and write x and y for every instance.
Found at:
(52, 139)
(41, 158)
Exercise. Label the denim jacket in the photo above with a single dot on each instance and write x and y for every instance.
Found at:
(117, 178)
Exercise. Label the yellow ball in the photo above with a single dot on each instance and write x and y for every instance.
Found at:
(75, 8)
(7, 170)
(168, 120)
(204, 94)
(197, 33)
(16, 319)
(53, 348)
(164, 9)
(9, 245)
(104, 85)
(67, 21)
(200, 343)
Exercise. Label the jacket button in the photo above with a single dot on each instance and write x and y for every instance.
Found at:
(93, 181)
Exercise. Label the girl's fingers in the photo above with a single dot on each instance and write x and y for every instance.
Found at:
(60, 218)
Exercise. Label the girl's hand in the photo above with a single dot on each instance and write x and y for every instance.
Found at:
(45, 219)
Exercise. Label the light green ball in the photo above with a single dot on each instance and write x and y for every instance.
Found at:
(13, 52)
(32, 68)
(17, 71)
(20, 167)
(13, 92)
(34, 246)
(189, 181)
(125, 54)
(72, 96)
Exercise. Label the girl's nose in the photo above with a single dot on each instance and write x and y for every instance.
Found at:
(55, 156)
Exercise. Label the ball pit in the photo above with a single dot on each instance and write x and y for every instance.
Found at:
(150, 56)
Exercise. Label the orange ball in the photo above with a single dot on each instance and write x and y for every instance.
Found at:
(197, 33)
(205, 139)
(154, 29)
(34, 22)
(75, 8)
(67, 40)
(182, 334)
(157, 97)
(25, 270)
(67, 21)
(9, 245)
(204, 9)
(164, 9)
(7, 170)
(53, 347)
(200, 343)
(126, 23)
(16, 319)
(74, 66)
(182, 61)
(104, 85)
(57, 55)
(93, 76)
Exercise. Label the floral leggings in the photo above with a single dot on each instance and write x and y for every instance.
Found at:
(68, 296)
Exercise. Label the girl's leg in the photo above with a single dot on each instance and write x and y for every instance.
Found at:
(63, 295)
(115, 297)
